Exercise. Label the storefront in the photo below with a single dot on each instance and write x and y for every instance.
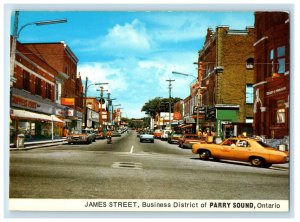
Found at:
(34, 126)
(222, 120)
(271, 108)
(92, 118)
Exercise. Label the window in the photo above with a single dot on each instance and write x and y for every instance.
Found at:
(38, 86)
(281, 59)
(26, 80)
(280, 116)
(277, 60)
(249, 93)
(48, 91)
(250, 63)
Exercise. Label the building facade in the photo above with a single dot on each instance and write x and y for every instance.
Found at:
(271, 74)
(69, 91)
(33, 108)
(225, 66)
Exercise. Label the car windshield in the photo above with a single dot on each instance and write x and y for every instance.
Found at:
(263, 144)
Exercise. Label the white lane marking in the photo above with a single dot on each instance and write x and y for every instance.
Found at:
(131, 151)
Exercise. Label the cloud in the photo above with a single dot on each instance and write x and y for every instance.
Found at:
(136, 81)
(120, 40)
(131, 36)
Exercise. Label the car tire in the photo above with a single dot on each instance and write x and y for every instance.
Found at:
(204, 154)
(141, 141)
(257, 161)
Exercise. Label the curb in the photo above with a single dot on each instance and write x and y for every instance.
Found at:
(38, 146)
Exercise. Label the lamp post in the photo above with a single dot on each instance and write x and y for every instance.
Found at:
(15, 36)
(170, 88)
(199, 101)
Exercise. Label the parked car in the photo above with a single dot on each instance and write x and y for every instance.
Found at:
(187, 140)
(147, 136)
(79, 136)
(174, 137)
(258, 153)
(157, 134)
(165, 134)
(91, 132)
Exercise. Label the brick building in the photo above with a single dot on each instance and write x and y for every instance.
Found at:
(226, 78)
(33, 107)
(271, 74)
(69, 85)
(92, 112)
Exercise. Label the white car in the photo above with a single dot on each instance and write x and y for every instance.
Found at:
(165, 134)
(147, 137)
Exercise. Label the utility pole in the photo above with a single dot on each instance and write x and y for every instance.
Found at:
(170, 88)
(13, 49)
(84, 103)
(101, 102)
(199, 102)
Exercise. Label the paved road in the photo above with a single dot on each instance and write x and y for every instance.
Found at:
(132, 170)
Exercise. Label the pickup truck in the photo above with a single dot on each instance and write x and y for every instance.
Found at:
(146, 137)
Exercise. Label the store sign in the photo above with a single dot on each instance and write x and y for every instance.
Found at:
(24, 102)
(201, 110)
(177, 116)
(275, 91)
(211, 113)
(68, 101)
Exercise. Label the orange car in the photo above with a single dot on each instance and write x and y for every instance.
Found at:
(157, 133)
(259, 154)
(187, 140)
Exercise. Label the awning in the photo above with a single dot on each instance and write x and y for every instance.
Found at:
(27, 115)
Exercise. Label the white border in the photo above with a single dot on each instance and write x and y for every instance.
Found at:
(159, 5)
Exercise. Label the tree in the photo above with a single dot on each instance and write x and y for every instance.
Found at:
(158, 105)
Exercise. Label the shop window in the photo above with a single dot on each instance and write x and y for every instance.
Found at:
(280, 112)
(249, 93)
(250, 63)
(38, 86)
(26, 80)
(280, 116)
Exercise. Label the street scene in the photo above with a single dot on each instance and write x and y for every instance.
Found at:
(137, 106)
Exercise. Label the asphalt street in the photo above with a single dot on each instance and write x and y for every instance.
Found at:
(128, 169)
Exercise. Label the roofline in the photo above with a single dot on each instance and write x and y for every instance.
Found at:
(55, 43)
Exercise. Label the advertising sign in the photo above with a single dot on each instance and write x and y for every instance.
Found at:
(68, 101)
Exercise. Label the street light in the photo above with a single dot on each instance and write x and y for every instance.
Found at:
(16, 34)
(199, 101)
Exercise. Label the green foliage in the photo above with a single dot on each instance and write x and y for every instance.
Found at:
(158, 105)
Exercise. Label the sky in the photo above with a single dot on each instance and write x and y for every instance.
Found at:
(134, 51)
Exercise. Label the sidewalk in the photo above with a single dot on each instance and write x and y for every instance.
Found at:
(39, 144)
